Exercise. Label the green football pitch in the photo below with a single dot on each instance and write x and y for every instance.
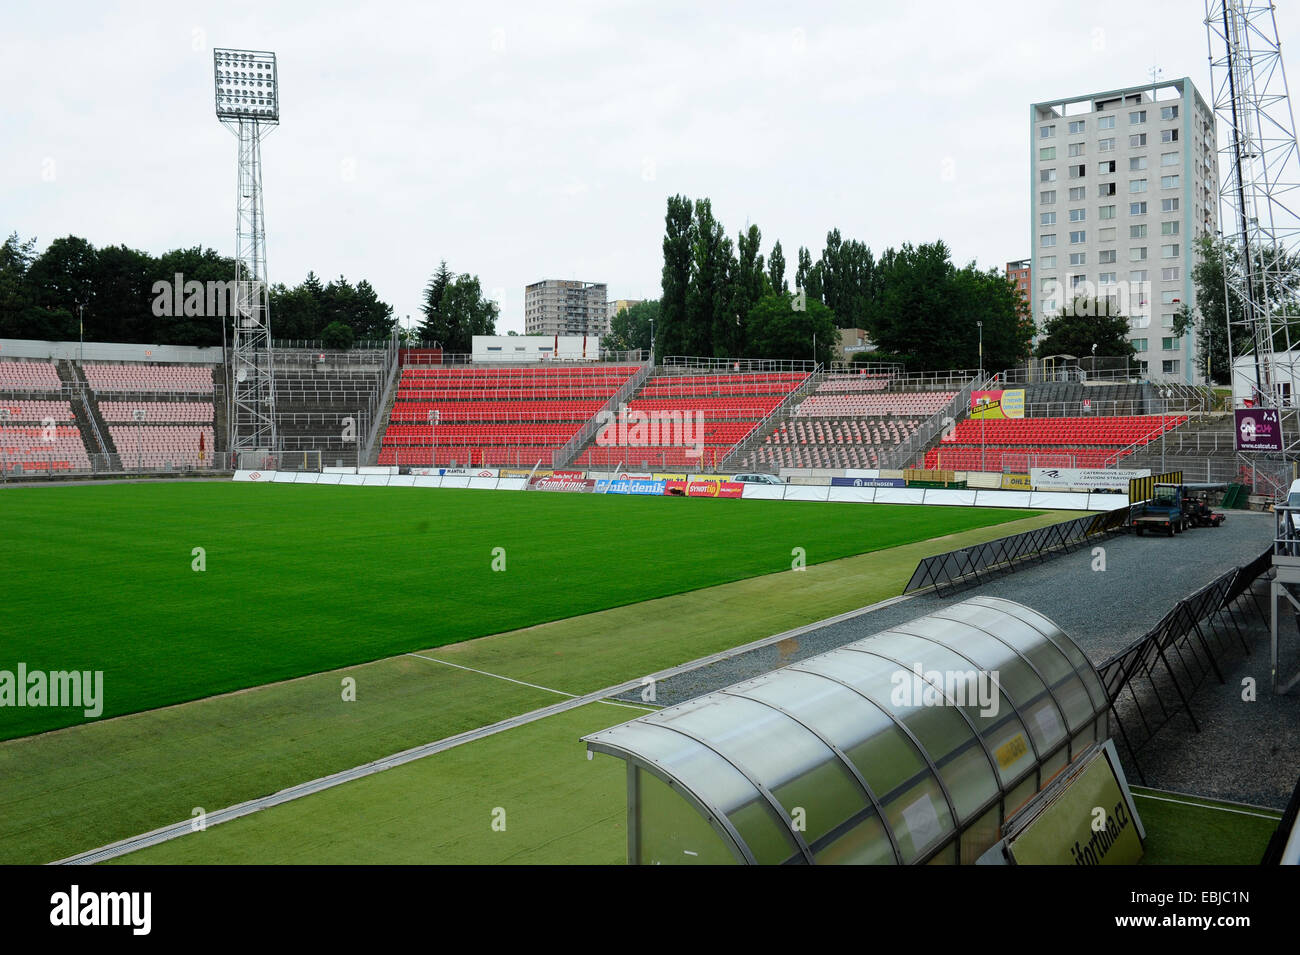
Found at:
(181, 591)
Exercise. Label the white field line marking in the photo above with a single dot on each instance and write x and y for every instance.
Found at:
(498, 676)
(1198, 805)
(175, 830)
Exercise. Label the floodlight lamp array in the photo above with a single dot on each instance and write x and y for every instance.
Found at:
(247, 86)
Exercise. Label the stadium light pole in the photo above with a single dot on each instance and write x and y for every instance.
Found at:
(247, 97)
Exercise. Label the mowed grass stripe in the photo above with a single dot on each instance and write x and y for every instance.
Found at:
(1198, 831)
(148, 770)
(557, 806)
(304, 579)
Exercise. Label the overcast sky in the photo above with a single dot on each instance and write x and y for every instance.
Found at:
(523, 141)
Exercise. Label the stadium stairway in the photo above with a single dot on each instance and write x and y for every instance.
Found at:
(385, 416)
(94, 432)
(733, 404)
(220, 421)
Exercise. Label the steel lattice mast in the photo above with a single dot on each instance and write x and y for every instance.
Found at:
(248, 104)
(1260, 191)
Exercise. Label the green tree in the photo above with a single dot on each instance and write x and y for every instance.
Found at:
(121, 310)
(630, 328)
(1083, 323)
(749, 284)
(679, 240)
(710, 327)
(199, 265)
(455, 311)
(16, 300)
(777, 330)
(776, 270)
(64, 274)
(338, 336)
(808, 276)
(913, 316)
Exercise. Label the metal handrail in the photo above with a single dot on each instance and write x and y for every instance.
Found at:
(899, 456)
(782, 411)
(377, 421)
(573, 447)
(738, 365)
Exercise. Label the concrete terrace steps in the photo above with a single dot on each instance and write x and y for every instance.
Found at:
(94, 435)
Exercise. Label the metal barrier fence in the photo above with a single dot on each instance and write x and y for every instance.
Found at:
(689, 365)
(969, 565)
(46, 467)
(1176, 655)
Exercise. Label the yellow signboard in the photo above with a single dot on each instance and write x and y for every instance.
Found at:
(997, 404)
(1016, 482)
(1090, 821)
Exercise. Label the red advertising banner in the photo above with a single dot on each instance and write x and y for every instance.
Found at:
(573, 475)
(675, 488)
(714, 489)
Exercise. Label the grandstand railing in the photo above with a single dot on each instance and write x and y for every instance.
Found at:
(287, 360)
(898, 457)
(316, 345)
(1100, 409)
(90, 416)
(574, 446)
(684, 363)
(782, 411)
(886, 369)
(53, 466)
(601, 356)
(377, 419)
(934, 380)
(1146, 441)
(71, 392)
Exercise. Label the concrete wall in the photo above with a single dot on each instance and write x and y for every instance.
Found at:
(108, 351)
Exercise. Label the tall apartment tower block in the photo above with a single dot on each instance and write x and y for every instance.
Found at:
(1123, 183)
(565, 307)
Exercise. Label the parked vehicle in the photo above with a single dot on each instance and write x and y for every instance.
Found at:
(758, 479)
(1163, 513)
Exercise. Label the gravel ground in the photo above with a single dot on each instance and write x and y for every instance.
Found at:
(1249, 752)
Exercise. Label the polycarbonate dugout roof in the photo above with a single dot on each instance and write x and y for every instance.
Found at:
(883, 750)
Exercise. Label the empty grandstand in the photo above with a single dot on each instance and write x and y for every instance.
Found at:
(717, 410)
(38, 428)
(330, 402)
(488, 416)
(155, 416)
(1022, 443)
(849, 421)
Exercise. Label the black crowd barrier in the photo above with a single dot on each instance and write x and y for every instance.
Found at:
(1174, 657)
(972, 564)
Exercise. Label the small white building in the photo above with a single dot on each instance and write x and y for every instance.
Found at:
(1286, 372)
(535, 348)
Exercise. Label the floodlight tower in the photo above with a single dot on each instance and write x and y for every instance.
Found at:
(248, 104)
(1260, 192)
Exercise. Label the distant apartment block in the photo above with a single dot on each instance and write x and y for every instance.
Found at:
(565, 307)
(1122, 185)
(1018, 272)
(617, 305)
